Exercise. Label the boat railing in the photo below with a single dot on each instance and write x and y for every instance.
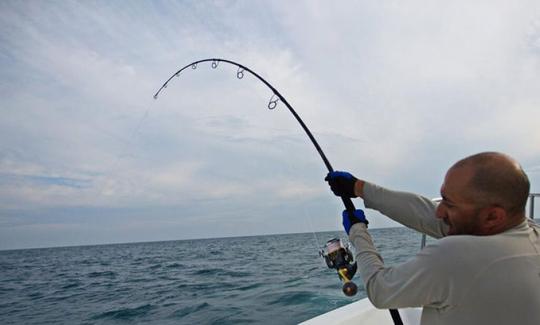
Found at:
(531, 204)
(532, 196)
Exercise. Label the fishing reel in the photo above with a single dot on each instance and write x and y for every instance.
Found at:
(340, 258)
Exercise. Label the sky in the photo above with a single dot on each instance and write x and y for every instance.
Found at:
(394, 92)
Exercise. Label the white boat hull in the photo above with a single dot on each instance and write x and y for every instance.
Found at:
(363, 312)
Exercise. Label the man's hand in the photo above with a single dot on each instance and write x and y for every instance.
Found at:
(349, 220)
(341, 183)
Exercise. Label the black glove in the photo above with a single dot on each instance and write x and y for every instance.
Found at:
(341, 183)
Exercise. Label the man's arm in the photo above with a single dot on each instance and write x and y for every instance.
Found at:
(421, 281)
(411, 210)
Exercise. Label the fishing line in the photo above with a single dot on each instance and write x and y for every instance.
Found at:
(309, 218)
(124, 151)
(271, 105)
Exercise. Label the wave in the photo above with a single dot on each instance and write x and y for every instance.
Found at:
(190, 310)
(221, 272)
(101, 274)
(125, 313)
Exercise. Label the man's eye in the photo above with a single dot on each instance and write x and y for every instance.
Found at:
(448, 204)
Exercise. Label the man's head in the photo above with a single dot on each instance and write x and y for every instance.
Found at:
(483, 194)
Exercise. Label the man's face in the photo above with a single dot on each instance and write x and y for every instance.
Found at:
(457, 209)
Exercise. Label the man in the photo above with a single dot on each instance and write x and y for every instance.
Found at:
(485, 269)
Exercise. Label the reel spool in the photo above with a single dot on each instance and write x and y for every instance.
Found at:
(340, 258)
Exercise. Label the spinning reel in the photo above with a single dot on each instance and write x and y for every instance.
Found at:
(339, 257)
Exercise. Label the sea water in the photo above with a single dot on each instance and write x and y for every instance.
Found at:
(274, 279)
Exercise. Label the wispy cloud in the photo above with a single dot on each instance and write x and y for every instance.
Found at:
(39, 180)
(394, 92)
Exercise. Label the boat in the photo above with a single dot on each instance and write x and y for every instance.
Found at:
(363, 312)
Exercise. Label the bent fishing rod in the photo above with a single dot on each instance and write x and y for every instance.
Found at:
(349, 287)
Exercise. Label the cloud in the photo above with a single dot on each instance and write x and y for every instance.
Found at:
(393, 92)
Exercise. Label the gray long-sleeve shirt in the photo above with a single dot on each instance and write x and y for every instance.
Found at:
(457, 280)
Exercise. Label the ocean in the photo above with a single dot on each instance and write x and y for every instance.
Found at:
(273, 279)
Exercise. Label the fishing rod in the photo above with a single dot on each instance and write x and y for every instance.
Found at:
(271, 105)
(338, 257)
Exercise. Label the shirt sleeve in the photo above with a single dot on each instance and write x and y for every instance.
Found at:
(411, 210)
(421, 281)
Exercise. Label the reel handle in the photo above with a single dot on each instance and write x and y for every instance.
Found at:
(349, 288)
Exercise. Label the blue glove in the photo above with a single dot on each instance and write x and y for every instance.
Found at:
(341, 183)
(348, 221)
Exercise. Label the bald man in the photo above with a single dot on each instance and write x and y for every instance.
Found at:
(485, 267)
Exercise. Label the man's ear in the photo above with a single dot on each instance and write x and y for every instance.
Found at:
(494, 217)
